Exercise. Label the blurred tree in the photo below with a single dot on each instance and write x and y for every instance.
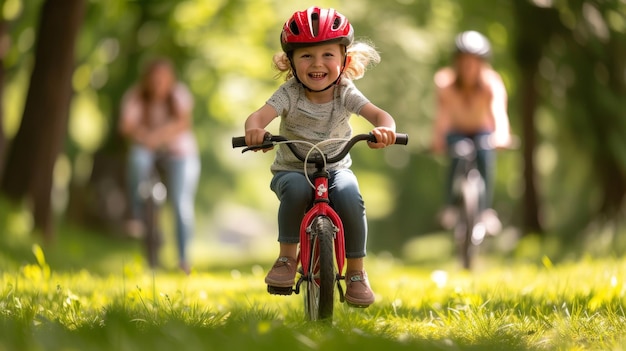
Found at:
(100, 201)
(562, 62)
(530, 39)
(575, 60)
(596, 48)
(41, 135)
(211, 54)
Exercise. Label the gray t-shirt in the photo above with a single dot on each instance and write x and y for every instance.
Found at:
(302, 119)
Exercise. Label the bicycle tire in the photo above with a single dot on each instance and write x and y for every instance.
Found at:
(468, 212)
(464, 238)
(153, 237)
(320, 283)
(468, 216)
(150, 235)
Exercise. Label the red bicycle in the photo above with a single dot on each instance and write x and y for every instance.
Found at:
(322, 252)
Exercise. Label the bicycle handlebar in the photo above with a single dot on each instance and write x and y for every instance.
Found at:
(467, 146)
(270, 140)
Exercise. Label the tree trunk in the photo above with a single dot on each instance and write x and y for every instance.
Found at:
(528, 96)
(39, 140)
(610, 161)
(102, 202)
(598, 95)
(534, 27)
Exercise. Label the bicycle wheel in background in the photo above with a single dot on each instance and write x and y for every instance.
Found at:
(153, 238)
(468, 216)
(320, 285)
(150, 236)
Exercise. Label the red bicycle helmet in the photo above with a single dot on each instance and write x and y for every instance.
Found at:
(316, 26)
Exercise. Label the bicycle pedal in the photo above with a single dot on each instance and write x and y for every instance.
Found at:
(342, 296)
(353, 305)
(298, 283)
(280, 290)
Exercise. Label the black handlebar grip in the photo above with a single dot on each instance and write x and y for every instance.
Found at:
(402, 139)
(239, 142)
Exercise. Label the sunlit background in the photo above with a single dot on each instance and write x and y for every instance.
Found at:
(223, 51)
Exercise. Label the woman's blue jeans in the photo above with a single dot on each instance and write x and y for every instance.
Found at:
(296, 194)
(182, 177)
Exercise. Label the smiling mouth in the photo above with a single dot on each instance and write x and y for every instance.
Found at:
(317, 75)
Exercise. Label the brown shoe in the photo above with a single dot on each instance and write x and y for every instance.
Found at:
(283, 273)
(358, 291)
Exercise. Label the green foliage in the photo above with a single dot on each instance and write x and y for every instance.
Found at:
(92, 292)
(582, 105)
(223, 50)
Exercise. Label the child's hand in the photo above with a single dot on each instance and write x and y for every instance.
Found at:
(256, 136)
(384, 136)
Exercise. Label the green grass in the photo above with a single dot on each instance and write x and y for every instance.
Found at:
(92, 292)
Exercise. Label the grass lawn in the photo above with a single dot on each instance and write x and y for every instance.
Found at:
(92, 292)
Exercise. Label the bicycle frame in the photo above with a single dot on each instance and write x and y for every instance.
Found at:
(468, 187)
(321, 207)
(466, 172)
(153, 193)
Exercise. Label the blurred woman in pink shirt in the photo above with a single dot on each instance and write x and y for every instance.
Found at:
(156, 116)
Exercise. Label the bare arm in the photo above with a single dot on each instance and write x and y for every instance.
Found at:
(384, 125)
(501, 134)
(442, 123)
(443, 120)
(130, 125)
(256, 123)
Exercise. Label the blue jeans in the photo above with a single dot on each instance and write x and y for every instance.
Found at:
(296, 194)
(485, 162)
(182, 177)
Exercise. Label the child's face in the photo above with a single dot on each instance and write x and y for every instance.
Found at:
(317, 67)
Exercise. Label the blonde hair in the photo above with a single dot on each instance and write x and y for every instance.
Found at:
(361, 55)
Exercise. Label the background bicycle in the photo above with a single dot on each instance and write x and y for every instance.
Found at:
(470, 218)
(153, 194)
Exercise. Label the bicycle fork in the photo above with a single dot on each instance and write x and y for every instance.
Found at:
(313, 233)
(309, 255)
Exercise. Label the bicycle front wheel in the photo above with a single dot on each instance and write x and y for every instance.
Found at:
(320, 282)
(468, 213)
(153, 238)
(151, 241)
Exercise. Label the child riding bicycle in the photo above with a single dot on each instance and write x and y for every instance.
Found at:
(315, 103)
(471, 103)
